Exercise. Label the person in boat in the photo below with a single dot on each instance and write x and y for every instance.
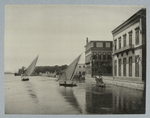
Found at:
(101, 79)
(97, 79)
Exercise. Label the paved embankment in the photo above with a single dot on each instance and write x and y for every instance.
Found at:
(124, 83)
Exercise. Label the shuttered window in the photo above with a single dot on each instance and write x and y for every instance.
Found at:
(115, 67)
(136, 66)
(130, 66)
(119, 69)
(137, 37)
(124, 67)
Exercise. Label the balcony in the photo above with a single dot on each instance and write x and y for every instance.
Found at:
(126, 49)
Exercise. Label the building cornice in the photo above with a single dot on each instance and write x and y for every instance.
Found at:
(137, 16)
(125, 27)
(96, 41)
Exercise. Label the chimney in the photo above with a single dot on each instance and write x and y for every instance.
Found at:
(87, 40)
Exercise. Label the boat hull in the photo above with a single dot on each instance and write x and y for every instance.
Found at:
(25, 79)
(67, 83)
(16, 74)
(101, 84)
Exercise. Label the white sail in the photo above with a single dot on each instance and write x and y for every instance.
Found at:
(70, 71)
(31, 67)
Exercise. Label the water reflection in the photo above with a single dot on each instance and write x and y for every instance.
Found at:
(127, 101)
(32, 93)
(114, 100)
(67, 93)
(98, 101)
(46, 97)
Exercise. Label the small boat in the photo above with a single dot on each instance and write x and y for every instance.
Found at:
(100, 83)
(16, 74)
(66, 79)
(67, 83)
(29, 70)
(25, 79)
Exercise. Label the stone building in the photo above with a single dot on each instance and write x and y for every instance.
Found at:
(129, 48)
(80, 70)
(98, 58)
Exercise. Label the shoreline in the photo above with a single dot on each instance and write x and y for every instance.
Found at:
(123, 83)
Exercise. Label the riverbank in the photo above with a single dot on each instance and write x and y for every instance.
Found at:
(123, 83)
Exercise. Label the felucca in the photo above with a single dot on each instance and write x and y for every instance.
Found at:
(27, 72)
(66, 79)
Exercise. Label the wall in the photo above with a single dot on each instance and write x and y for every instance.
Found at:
(137, 51)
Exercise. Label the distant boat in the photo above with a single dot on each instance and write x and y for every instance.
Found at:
(17, 74)
(66, 79)
(29, 70)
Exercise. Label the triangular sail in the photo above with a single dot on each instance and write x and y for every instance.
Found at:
(31, 67)
(69, 73)
(62, 77)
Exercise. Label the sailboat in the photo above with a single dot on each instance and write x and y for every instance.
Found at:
(28, 71)
(66, 79)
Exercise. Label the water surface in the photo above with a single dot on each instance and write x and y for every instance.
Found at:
(43, 95)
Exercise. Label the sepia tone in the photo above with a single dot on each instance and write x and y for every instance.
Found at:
(75, 59)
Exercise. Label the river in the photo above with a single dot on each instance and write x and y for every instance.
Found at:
(43, 95)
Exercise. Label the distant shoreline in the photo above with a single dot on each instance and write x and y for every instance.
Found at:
(8, 73)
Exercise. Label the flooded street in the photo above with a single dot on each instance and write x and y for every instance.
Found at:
(43, 95)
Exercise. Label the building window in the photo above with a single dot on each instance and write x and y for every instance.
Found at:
(94, 44)
(119, 69)
(108, 45)
(83, 66)
(99, 44)
(115, 44)
(83, 73)
(124, 67)
(137, 37)
(119, 42)
(104, 56)
(79, 66)
(109, 56)
(99, 56)
(115, 67)
(124, 40)
(130, 37)
(130, 66)
(79, 72)
(104, 45)
(136, 66)
(94, 56)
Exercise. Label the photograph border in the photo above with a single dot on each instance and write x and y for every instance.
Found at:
(69, 2)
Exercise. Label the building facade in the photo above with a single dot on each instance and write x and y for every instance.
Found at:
(129, 48)
(80, 70)
(98, 58)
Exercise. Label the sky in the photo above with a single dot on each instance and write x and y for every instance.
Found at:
(57, 33)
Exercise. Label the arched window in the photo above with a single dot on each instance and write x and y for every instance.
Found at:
(99, 56)
(104, 56)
